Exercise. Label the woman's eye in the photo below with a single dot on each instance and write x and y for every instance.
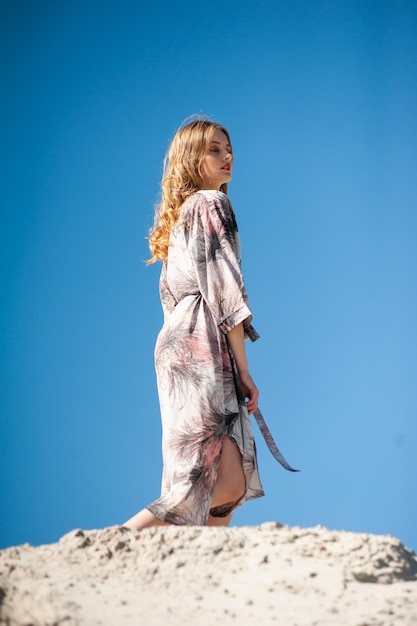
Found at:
(214, 150)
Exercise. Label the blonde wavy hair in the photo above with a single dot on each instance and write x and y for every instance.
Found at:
(181, 178)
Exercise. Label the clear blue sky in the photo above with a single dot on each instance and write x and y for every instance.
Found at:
(321, 100)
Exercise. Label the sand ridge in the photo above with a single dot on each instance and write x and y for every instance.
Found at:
(267, 574)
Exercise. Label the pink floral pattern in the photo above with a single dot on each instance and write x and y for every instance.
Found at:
(203, 296)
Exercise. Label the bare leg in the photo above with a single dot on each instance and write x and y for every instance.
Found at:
(144, 519)
(230, 487)
(231, 482)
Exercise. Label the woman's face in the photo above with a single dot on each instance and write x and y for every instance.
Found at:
(217, 164)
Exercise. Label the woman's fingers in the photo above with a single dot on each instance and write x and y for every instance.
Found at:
(251, 392)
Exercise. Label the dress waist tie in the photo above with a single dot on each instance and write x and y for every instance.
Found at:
(269, 440)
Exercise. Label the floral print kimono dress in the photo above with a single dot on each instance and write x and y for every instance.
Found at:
(203, 297)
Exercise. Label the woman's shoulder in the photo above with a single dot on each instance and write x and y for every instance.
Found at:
(209, 211)
(213, 195)
(206, 201)
(205, 197)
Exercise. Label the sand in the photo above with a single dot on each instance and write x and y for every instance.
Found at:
(267, 574)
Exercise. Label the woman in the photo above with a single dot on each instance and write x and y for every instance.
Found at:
(209, 454)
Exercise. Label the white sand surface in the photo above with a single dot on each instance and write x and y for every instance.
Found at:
(268, 574)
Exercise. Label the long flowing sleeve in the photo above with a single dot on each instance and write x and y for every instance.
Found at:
(215, 252)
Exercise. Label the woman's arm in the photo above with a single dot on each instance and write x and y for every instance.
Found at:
(236, 339)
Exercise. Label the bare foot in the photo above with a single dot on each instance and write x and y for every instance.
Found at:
(144, 519)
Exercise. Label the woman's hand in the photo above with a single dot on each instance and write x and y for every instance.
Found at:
(236, 339)
(250, 391)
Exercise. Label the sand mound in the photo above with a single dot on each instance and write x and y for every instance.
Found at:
(269, 574)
